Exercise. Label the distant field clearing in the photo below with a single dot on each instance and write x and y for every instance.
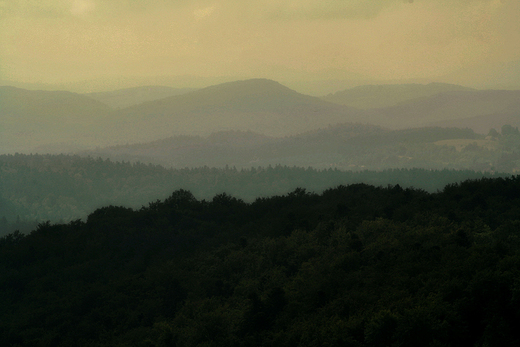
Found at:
(460, 144)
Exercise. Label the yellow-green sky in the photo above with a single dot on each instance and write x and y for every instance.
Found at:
(459, 41)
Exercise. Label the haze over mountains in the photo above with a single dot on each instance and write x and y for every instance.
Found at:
(126, 97)
(509, 114)
(55, 122)
(29, 119)
(447, 107)
(259, 105)
(378, 96)
(344, 146)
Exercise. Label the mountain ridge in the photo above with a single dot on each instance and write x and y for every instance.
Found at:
(445, 106)
(122, 98)
(351, 146)
(259, 105)
(372, 96)
(59, 121)
(31, 118)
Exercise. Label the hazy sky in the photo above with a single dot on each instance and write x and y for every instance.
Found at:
(54, 41)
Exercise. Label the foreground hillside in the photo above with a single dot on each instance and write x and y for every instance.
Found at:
(356, 265)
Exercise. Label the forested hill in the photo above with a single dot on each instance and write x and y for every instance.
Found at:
(346, 146)
(378, 96)
(133, 96)
(357, 265)
(60, 187)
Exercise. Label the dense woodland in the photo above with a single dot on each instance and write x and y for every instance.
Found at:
(356, 265)
(37, 188)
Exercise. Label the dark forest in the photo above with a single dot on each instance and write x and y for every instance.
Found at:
(356, 265)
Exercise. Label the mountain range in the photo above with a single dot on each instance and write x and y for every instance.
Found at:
(351, 146)
(127, 97)
(381, 95)
(58, 121)
(259, 105)
(443, 108)
(29, 119)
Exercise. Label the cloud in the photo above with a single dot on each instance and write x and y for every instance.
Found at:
(201, 13)
(351, 9)
(376, 38)
(330, 9)
(32, 8)
(271, 9)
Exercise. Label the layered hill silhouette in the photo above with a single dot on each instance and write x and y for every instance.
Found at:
(483, 123)
(379, 96)
(245, 148)
(346, 146)
(258, 105)
(64, 122)
(126, 97)
(30, 118)
(446, 107)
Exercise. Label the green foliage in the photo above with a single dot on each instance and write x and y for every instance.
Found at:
(357, 265)
(36, 188)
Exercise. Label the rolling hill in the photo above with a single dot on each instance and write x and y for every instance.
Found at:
(444, 107)
(350, 146)
(258, 105)
(483, 123)
(379, 96)
(64, 122)
(122, 98)
(29, 119)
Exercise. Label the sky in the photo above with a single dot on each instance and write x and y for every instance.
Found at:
(469, 42)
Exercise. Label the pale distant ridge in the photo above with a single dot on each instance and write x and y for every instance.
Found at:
(483, 123)
(445, 107)
(58, 121)
(245, 93)
(347, 146)
(126, 97)
(33, 104)
(249, 85)
(378, 96)
(259, 105)
(29, 118)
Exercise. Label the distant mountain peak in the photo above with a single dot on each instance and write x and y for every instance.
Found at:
(254, 85)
